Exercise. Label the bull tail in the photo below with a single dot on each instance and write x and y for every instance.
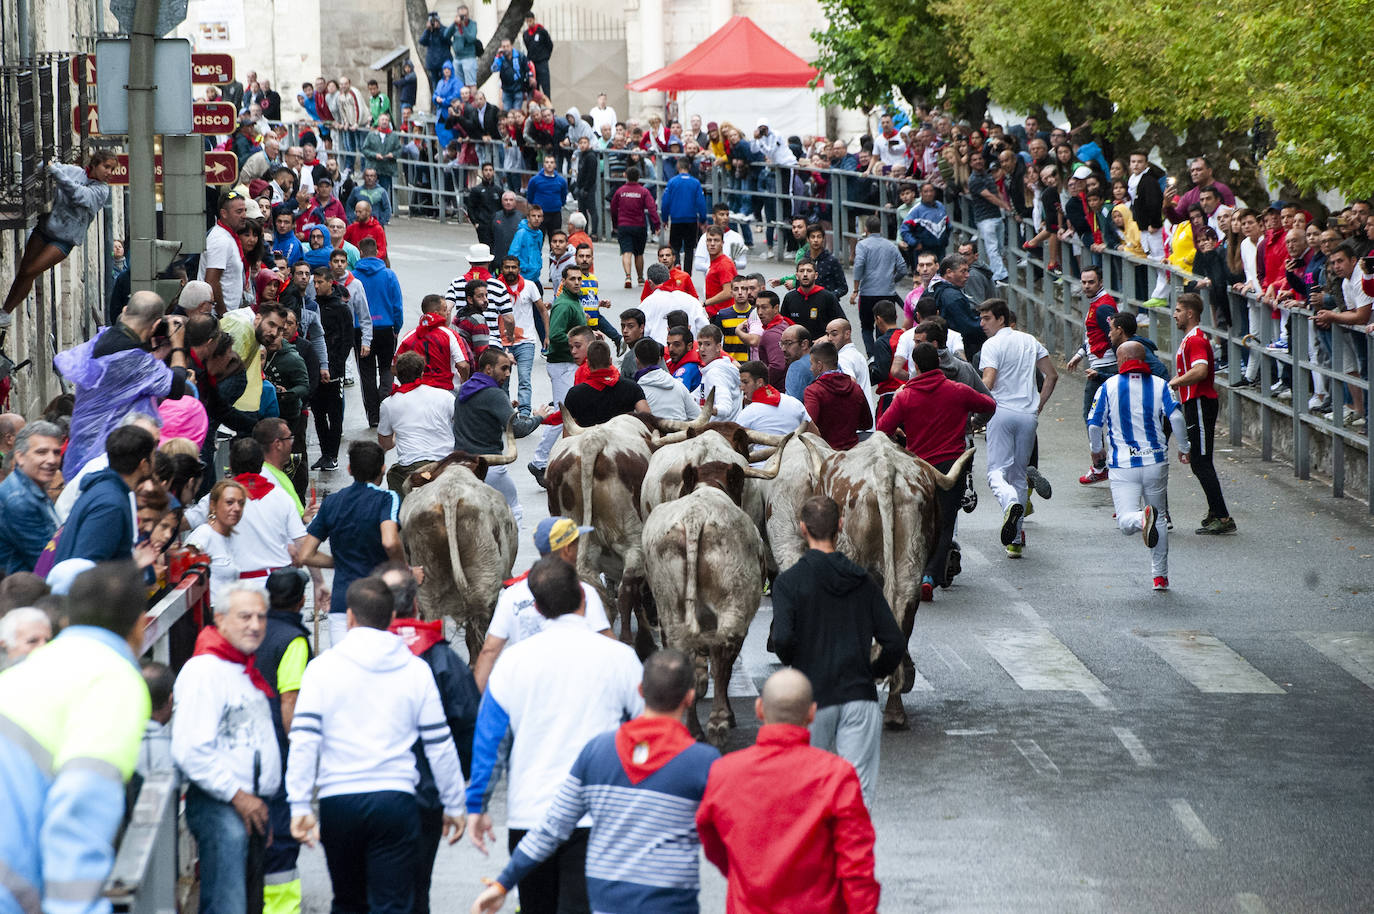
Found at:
(587, 466)
(947, 481)
(455, 560)
(692, 525)
(886, 518)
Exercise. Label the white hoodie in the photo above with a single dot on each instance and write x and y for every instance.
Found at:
(219, 722)
(360, 709)
(666, 396)
(722, 376)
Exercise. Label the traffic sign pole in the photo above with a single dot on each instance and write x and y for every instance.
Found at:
(142, 204)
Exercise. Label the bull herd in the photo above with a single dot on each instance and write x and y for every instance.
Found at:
(691, 519)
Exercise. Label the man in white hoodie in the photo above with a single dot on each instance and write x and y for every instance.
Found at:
(719, 373)
(360, 709)
(666, 396)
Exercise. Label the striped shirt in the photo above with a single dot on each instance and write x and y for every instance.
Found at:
(730, 320)
(643, 849)
(1129, 412)
(498, 301)
(591, 299)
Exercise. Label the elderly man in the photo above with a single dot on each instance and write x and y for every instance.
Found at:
(27, 518)
(375, 192)
(10, 424)
(22, 631)
(364, 225)
(225, 743)
(796, 348)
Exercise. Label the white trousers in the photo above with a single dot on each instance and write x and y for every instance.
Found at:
(338, 627)
(1011, 438)
(498, 477)
(1154, 247)
(561, 377)
(1132, 489)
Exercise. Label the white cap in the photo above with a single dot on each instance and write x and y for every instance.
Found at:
(1082, 172)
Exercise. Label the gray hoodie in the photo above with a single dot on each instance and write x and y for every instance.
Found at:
(77, 200)
(666, 396)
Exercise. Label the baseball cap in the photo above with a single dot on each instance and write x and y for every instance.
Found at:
(1082, 172)
(285, 587)
(553, 533)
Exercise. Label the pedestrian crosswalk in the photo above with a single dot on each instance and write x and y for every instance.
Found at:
(1037, 660)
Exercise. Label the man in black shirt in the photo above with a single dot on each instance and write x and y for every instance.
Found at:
(810, 304)
(988, 205)
(604, 394)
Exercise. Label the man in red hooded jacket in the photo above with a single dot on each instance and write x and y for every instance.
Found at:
(786, 823)
(365, 226)
(446, 355)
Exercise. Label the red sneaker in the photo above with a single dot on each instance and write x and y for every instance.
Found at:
(1161, 583)
(927, 589)
(1093, 475)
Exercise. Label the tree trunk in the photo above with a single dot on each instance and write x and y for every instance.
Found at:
(508, 27)
(417, 15)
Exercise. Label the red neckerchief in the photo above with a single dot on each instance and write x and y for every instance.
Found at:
(516, 289)
(807, 293)
(243, 257)
(430, 321)
(603, 378)
(1133, 366)
(690, 357)
(419, 636)
(778, 320)
(768, 395)
(532, 29)
(889, 133)
(477, 273)
(515, 580)
(407, 388)
(258, 486)
(211, 642)
(646, 744)
(581, 373)
(1091, 217)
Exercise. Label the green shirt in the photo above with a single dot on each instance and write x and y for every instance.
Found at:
(566, 313)
(285, 482)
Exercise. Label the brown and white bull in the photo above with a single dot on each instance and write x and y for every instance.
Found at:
(594, 476)
(706, 564)
(887, 499)
(460, 530)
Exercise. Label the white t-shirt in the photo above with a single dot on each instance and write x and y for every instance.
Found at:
(224, 570)
(264, 535)
(522, 304)
(1013, 354)
(890, 151)
(602, 116)
(782, 419)
(422, 421)
(733, 247)
(659, 303)
(853, 363)
(515, 617)
(222, 253)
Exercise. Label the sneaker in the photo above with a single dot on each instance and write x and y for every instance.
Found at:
(1094, 474)
(1011, 518)
(628, 282)
(1154, 303)
(1038, 482)
(330, 465)
(538, 473)
(1218, 527)
(1161, 583)
(1359, 423)
(1286, 395)
(1148, 531)
(970, 501)
(1168, 521)
(1015, 550)
(1206, 519)
(1278, 345)
(1245, 382)
(953, 564)
(318, 464)
(770, 255)
(349, 382)
(927, 589)
(1317, 401)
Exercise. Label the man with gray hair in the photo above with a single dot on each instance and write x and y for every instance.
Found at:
(22, 631)
(10, 424)
(27, 517)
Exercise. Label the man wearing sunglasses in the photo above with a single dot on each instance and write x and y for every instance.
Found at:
(224, 265)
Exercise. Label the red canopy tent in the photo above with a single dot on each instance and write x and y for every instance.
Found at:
(742, 74)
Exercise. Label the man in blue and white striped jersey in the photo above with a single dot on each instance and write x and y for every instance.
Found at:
(1127, 422)
(641, 784)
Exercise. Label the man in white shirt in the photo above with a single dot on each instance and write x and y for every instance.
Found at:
(766, 409)
(852, 361)
(602, 115)
(733, 245)
(221, 731)
(666, 396)
(360, 709)
(525, 299)
(661, 302)
(515, 617)
(224, 265)
(270, 531)
(549, 695)
(1009, 361)
(719, 373)
(417, 420)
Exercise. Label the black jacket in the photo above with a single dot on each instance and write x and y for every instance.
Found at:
(827, 611)
(337, 318)
(1148, 207)
(459, 696)
(504, 225)
(484, 202)
(538, 44)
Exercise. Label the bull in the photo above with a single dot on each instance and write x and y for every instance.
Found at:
(891, 520)
(460, 530)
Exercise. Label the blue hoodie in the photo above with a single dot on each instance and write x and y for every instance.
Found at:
(528, 245)
(383, 291)
(101, 525)
(684, 200)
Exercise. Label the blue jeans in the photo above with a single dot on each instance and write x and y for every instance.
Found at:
(222, 839)
(467, 69)
(524, 363)
(990, 231)
(512, 98)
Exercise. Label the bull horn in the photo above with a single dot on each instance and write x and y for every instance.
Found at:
(762, 453)
(660, 440)
(815, 459)
(949, 480)
(764, 438)
(510, 453)
(708, 410)
(770, 469)
(672, 425)
(570, 426)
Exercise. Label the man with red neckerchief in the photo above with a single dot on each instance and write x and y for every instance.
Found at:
(224, 265)
(684, 361)
(417, 420)
(678, 279)
(604, 394)
(770, 341)
(222, 730)
(648, 771)
(271, 529)
(767, 409)
(447, 357)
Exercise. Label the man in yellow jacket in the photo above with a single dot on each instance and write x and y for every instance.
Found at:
(71, 718)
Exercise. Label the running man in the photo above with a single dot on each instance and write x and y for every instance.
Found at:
(1196, 373)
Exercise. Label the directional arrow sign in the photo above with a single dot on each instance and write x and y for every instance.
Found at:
(213, 117)
(75, 67)
(120, 175)
(211, 69)
(221, 168)
(92, 120)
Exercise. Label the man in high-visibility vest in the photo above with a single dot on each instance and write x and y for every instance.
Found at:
(71, 719)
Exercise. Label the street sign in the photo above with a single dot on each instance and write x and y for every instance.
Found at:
(75, 68)
(92, 120)
(220, 168)
(170, 14)
(171, 75)
(214, 118)
(212, 69)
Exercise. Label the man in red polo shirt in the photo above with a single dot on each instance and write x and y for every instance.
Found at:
(678, 279)
(1196, 368)
(719, 273)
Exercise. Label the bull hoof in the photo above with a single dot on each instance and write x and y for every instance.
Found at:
(908, 674)
(895, 720)
(717, 729)
(644, 643)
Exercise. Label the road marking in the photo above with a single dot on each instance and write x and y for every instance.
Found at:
(1031, 751)
(949, 656)
(1251, 903)
(1351, 651)
(988, 731)
(1135, 747)
(1099, 700)
(1208, 664)
(1183, 811)
(1039, 661)
(1027, 611)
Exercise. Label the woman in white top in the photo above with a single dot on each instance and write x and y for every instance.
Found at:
(213, 537)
